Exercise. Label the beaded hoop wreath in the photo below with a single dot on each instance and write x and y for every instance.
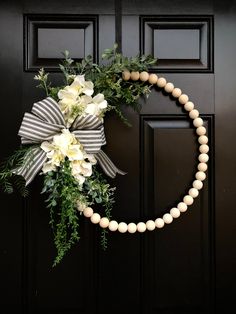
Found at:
(200, 175)
(62, 139)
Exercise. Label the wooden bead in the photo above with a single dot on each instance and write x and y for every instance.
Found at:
(113, 225)
(175, 212)
(159, 222)
(95, 218)
(153, 78)
(183, 99)
(176, 92)
(200, 175)
(150, 224)
(188, 200)
(126, 75)
(204, 149)
(203, 139)
(141, 227)
(193, 192)
(167, 218)
(193, 114)
(201, 130)
(169, 87)
(197, 184)
(203, 158)
(189, 106)
(132, 227)
(104, 222)
(202, 166)
(198, 122)
(161, 82)
(88, 211)
(134, 75)
(182, 207)
(122, 227)
(144, 76)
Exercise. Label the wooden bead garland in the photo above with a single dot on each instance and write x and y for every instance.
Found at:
(200, 175)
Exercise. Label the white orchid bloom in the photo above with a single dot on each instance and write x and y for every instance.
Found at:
(74, 152)
(69, 93)
(82, 86)
(64, 140)
(86, 169)
(97, 105)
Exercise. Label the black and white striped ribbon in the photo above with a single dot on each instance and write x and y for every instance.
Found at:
(45, 121)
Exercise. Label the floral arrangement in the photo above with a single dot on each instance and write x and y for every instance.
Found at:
(62, 139)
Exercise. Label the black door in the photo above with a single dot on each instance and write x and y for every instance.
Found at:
(189, 266)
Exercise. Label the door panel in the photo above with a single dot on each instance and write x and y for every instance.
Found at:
(189, 266)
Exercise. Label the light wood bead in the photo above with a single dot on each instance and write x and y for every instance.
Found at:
(113, 225)
(161, 82)
(144, 76)
(200, 175)
(176, 92)
(150, 224)
(134, 75)
(201, 130)
(188, 200)
(193, 192)
(88, 211)
(204, 149)
(167, 218)
(175, 212)
(203, 139)
(183, 99)
(169, 87)
(159, 222)
(153, 78)
(193, 114)
(197, 184)
(202, 166)
(95, 218)
(198, 122)
(141, 227)
(203, 158)
(104, 222)
(126, 75)
(189, 106)
(182, 207)
(122, 227)
(132, 227)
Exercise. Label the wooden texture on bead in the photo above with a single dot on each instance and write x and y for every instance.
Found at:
(169, 87)
(203, 158)
(134, 75)
(159, 222)
(113, 225)
(141, 227)
(202, 166)
(201, 130)
(175, 212)
(144, 76)
(193, 192)
(193, 114)
(182, 207)
(104, 222)
(203, 139)
(188, 200)
(95, 218)
(161, 82)
(153, 78)
(189, 106)
(167, 218)
(88, 211)
(126, 75)
(200, 175)
(132, 227)
(197, 184)
(176, 92)
(122, 227)
(150, 224)
(183, 99)
(204, 149)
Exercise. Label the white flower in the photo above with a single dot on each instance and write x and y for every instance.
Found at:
(48, 166)
(82, 86)
(97, 105)
(64, 140)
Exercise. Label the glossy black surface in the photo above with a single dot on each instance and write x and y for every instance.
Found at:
(189, 266)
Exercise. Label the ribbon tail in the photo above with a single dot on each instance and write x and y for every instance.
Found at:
(33, 163)
(107, 165)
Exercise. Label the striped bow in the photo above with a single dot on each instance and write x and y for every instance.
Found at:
(45, 121)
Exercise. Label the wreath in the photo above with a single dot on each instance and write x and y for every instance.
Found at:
(62, 139)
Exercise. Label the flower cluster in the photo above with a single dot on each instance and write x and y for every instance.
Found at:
(76, 99)
(65, 145)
